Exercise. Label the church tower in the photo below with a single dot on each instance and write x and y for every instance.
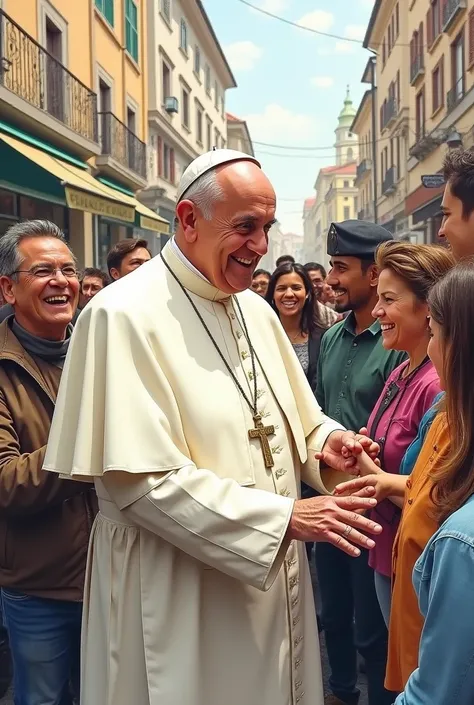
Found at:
(346, 142)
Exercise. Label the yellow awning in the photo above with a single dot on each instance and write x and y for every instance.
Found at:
(82, 191)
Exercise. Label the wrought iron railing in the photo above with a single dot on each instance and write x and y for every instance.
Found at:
(362, 168)
(417, 67)
(366, 213)
(390, 112)
(28, 70)
(118, 141)
(389, 181)
(450, 11)
(455, 95)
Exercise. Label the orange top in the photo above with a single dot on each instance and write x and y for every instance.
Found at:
(417, 526)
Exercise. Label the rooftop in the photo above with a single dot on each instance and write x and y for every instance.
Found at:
(342, 169)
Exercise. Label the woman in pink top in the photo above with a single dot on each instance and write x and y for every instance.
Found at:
(406, 274)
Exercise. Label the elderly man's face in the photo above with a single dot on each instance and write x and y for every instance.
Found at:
(44, 297)
(228, 248)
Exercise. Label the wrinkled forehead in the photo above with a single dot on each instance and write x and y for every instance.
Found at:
(49, 250)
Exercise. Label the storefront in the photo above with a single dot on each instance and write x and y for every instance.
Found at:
(43, 182)
(424, 206)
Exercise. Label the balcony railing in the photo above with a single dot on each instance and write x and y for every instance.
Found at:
(390, 112)
(417, 68)
(388, 185)
(39, 78)
(366, 213)
(363, 168)
(120, 143)
(455, 95)
(450, 11)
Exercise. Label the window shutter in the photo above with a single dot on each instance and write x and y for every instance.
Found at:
(412, 51)
(429, 27)
(160, 156)
(172, 167)
(420, 42)
(441, 81)
(471, 37)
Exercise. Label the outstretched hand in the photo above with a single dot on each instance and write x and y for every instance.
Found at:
(342, 448)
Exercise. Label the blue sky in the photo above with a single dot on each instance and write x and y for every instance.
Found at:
(292, 83)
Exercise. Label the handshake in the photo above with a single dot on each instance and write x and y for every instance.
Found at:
(339, 519)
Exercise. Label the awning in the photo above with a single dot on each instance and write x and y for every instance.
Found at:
(49, 176)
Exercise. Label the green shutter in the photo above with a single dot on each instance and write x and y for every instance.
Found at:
(131, 29)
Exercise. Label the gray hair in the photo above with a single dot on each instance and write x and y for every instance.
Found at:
(204, 192)
(10, 257)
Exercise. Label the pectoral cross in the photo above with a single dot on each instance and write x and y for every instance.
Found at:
(262, 432)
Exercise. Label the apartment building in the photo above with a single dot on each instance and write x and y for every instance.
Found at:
(441, 35)
(362, 126)
(238, 135)
(388, 35)
(188, 79)
(73, 125)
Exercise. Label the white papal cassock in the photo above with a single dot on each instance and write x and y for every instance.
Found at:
(193, 594)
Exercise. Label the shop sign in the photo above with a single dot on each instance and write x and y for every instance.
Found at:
(433, 180)
(155, 225)
(83, 201)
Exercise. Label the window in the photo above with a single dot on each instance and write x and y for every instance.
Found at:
(434, 24)
(216, 95)
(165, 9)
(346, 184)
(471, 38)
(347, 212)
(457, 64)
(389, 42)
(197, 61)
(217, 138)
(222, 107)
(104, 97)
(208, 135)
(185, 106)
(399, 163)
(420, 114)
(397, 21)
(106, 7)
(183, 36)
(165, 80)
(384, 52)
(437, 79)
(166, 161)
(208, 79)
(131, 29)
(199, 123)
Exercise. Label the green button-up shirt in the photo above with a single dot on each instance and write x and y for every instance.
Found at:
(352, 371)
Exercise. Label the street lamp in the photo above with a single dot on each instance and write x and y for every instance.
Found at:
(454, 140)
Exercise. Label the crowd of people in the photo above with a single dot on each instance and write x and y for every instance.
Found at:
(179, 440)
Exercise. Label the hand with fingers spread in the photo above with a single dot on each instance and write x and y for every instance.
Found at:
(334, 520)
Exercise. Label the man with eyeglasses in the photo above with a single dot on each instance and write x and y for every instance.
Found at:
(45, 521)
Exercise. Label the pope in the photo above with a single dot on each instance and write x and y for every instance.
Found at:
(183, 401)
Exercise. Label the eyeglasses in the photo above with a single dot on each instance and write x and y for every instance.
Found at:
(49, 272)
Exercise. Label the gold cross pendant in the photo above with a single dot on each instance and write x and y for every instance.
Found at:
(262, 432)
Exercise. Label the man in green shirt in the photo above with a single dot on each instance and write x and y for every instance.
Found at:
(352, 370)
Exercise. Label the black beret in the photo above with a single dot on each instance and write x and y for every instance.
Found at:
(355, 238)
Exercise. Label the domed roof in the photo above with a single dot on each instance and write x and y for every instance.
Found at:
(348, 112)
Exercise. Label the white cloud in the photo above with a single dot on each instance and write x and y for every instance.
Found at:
(322, 81)
(319, 20)
(355, 31)
(276, 122)
(243, 56)
(342, 47)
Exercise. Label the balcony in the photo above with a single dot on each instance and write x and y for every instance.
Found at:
(417, 68)
(455, 95)
(122, 151)
(60, 107)
(451, 10)
(389, 113)
(389, 182)
(363, 168)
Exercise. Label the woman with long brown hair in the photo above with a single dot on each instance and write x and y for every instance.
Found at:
(438, 522)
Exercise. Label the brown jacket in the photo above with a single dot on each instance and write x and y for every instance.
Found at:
(45, 522)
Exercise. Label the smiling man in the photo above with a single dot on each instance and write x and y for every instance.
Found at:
(185, 403)
(352, 369)
(44, 521)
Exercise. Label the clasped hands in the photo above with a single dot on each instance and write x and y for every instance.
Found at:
(339, 520)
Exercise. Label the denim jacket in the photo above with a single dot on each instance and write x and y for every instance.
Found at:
(443, 578)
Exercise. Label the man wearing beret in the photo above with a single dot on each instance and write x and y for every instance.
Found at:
(182, 399)
(353, 368)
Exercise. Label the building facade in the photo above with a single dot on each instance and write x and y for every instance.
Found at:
(364, 181)
(238, 135)
(73, 126)
(388, 34)
(188, 78)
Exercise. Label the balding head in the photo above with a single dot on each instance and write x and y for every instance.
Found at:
(224, 220)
